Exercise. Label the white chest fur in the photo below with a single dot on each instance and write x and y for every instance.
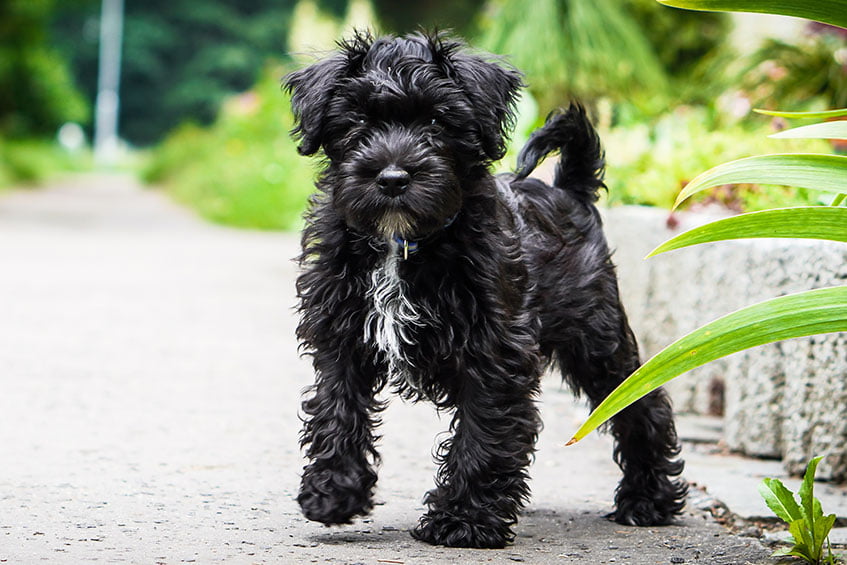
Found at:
(392, 317)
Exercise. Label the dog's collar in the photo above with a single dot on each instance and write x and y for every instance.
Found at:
(409, 247)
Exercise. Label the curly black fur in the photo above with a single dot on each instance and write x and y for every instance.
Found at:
(506, 275)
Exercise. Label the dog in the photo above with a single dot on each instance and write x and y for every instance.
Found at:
(423, 272)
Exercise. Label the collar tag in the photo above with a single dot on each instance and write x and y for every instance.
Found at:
(412, 246)
(407, 246)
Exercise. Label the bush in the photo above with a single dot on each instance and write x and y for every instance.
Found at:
(244, 170)
(680, 38)
(811, 72)
(33, 161)
(585, 49)
(649, 164)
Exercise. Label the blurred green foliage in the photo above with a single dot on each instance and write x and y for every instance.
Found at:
(631, 58)
(403, 17)
(680, 38)
(181, 58)
(37, 93)
(631, 51)
(244, 170)
(585, 49)
(460, 16)
(693, 48)
(810, 72)
(32, 161)
(649, 164)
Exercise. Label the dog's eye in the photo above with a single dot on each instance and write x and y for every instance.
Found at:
(361, 120)
(433, 122)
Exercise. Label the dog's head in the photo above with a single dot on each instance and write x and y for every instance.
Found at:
(403, 122)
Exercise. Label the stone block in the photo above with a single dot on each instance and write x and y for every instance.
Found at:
(785, 400)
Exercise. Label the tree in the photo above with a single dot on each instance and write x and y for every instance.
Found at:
(180, 58)
(37, 93)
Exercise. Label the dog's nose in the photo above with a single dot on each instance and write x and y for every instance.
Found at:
(393, 181)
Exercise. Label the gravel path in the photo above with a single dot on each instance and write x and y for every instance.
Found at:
(149, 390)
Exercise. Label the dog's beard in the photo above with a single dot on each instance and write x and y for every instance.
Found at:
(394, 223)
(424, 210)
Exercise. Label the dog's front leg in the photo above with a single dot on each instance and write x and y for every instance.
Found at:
(482, 482)
(339, 417)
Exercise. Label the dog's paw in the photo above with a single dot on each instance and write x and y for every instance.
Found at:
(462, 530)
(643, 512)
(657, 506)
(332, 498)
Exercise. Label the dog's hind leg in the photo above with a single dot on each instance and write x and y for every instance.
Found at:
(646, 444)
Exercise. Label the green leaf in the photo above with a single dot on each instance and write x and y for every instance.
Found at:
(795, 315)
(823, 130)
(828, 11)
(817, 172)
(807, 500)
(839, 113)
(799, 550)
(815, 222)
(822, 528)
(780, 500)
(803, 543)
(807, 489)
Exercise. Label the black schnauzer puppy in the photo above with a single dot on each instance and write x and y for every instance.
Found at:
(423, 271)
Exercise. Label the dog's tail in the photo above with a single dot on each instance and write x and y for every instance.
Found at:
(581, 164)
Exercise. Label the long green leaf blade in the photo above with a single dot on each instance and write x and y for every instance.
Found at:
(823, 130)
(807, 500)
(814, 222)
(795, 315)
(780, 500)
(828, 11)
(825, 115)
(817, 172)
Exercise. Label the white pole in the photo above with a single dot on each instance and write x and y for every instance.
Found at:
(108, 82)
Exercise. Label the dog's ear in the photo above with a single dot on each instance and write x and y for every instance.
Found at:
(313, 87)
(492, 89)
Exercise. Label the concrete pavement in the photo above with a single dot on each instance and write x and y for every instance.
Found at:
(149, 388)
